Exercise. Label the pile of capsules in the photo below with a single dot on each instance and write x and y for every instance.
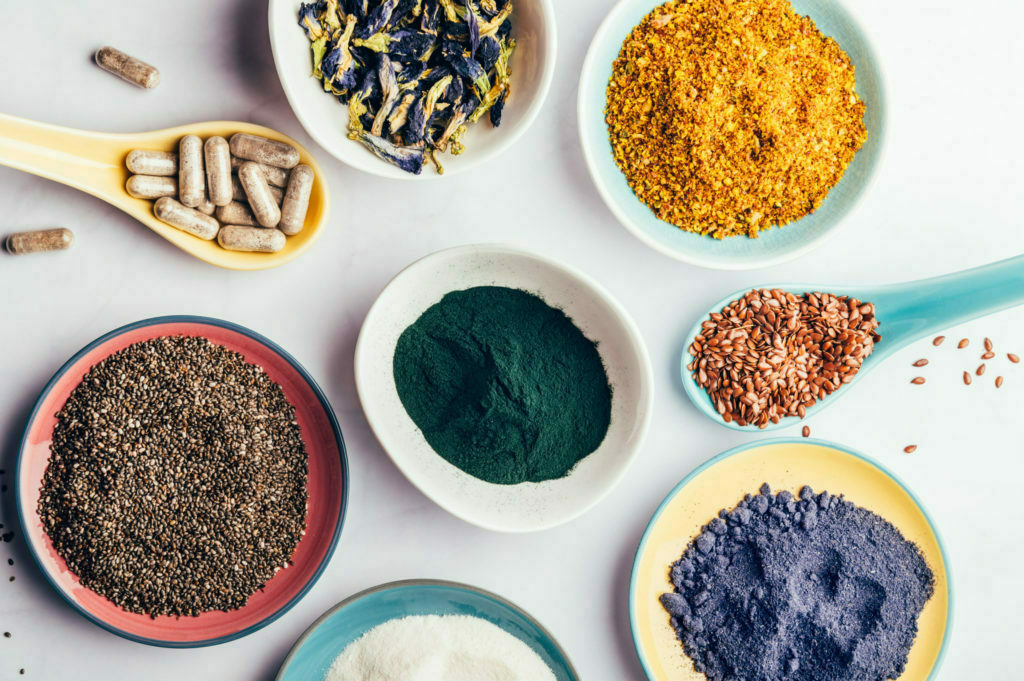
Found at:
(249, 193)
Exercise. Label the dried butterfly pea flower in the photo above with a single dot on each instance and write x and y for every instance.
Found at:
(409, 159)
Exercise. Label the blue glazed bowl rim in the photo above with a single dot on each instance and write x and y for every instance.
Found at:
(634, 571)
(405, 583)
(325, 405)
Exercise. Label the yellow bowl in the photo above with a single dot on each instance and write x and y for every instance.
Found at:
(784, 464)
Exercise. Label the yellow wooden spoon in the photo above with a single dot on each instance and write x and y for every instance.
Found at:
(94, 163)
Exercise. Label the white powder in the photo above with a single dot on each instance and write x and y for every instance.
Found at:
(438, 648)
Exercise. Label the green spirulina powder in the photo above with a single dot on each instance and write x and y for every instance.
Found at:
(503, 385)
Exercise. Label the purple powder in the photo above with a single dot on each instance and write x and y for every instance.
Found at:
(811, 589)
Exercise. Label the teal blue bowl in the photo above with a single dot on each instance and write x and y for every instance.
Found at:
(317, 648)
(737, 253)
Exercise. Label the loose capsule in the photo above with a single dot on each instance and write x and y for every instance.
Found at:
(218, 171)
(296, 200)
(186, 219)
(262, 150)
(236, 213)
(151, 186)
(261, 201)
(40, 241)
(252, 239)
(191, 180)
(151, 162)
(127, 67)
(276, 177)
(238, 192)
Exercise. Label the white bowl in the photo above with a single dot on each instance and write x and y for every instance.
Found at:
(326, 119)
(506, 508)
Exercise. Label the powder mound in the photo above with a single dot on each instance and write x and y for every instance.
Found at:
(807, 588)
(730, 116)
(503, 386)
(438, 648)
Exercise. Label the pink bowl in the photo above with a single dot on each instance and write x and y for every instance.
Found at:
(327, 486)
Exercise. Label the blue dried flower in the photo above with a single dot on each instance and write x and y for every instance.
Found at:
(409, 159)
(378, 19)
(473, 28)
(498, 108)
(487, 53)
(309, 20)
(470, 69)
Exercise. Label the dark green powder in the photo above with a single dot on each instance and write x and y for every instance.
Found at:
(503, 385)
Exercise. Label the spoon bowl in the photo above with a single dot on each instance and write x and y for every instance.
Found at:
(94, 163)
(906, 312)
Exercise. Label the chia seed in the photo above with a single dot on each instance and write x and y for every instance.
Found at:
(177, 478)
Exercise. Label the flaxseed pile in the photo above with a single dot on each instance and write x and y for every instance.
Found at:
(730, 116)
(772, 354)
(177, 478)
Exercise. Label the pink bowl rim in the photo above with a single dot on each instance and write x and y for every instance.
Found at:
(324, 403)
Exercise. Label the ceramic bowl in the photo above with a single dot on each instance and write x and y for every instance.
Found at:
(326, 119)
(313, 653)
(327, 487)
(737, 253)
(783, 464)
(509, 508)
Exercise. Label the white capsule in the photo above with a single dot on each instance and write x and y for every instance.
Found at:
(127, 67)
(186, 219)
(296, 200)
(261, 201)
(218, 170)
(40, 241)
(263, 150)
(152, 162)
(276, 177)
(238, 192)
(236, 213)
(151, 186)
(252, 239)
(191, 178)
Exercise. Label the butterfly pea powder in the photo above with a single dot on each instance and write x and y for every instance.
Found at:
(503, 386)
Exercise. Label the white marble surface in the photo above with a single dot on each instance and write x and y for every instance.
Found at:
(947, 198)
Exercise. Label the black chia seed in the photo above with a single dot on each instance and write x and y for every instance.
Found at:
(798, 589)
(177, 478)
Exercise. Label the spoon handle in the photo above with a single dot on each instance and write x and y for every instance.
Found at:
(84, 160)
(916, 309)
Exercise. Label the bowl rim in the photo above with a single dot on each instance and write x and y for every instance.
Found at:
(262, 340)
(420, 582)
(646, 380)
(379, 168)
(739, 449)
(587, 74)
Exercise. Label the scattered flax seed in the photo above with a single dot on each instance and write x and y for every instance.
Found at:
(918, 381)
(1013, 358)
(981, 370)
(728, 117)
(772, 354)
(11, 579)
(988, 344)
(999, 381)
(967, 378)
(7, 634)
(988, 355)
(938, 341)
(910, 449)
(963, 344)
(806, 431)
(921, 363)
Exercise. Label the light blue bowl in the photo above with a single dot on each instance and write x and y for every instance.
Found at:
(737, 253)
(317, 648)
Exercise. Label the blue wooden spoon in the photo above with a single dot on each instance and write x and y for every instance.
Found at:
(905, 312)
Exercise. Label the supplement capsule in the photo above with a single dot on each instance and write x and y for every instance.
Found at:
(296, 200)
(127, 67)
(218, 171)
(186, 219)
(262, 150)
(252, 239)
(236, 213)
(238, 193)
(276, 177)
(151, 162)
(191, 178)
(261, 201)
(22, 243)
(151, 186)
